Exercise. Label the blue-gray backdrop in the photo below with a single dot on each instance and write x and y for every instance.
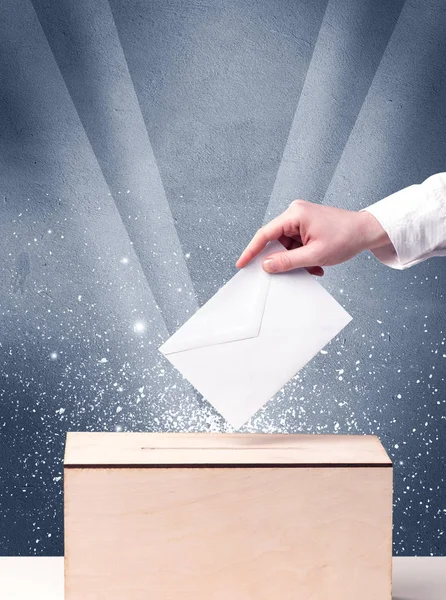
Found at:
(142, 144)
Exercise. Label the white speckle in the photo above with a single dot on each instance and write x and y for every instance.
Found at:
(396, 446)
(54, 356)
(139, 327)
(103, 360)
(124, 260)
(79, 298)
(324, 352)
(118, 410)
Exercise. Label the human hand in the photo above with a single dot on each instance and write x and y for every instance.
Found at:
(315, 236)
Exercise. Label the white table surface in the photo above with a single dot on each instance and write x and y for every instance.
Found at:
(41, 578)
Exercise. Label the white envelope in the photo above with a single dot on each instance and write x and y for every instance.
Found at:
(253, 335)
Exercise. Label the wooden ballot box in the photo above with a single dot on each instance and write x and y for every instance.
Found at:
(227, 517)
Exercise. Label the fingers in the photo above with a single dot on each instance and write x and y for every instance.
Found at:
(290, 242)
(272, 231)
(286, 241)
(306, 256)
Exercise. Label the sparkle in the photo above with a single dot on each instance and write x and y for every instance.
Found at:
(124, 260)
(139, 327)
(54, 356)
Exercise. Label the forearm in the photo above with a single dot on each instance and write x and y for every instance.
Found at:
(413, 224)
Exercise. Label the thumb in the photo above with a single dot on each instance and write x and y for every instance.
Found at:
(305, 256)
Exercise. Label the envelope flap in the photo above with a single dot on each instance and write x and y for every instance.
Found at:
(234, 313)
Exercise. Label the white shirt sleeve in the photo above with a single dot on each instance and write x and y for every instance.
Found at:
(414, 218)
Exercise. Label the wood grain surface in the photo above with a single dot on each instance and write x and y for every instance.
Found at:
(228, 533)
(132, 449)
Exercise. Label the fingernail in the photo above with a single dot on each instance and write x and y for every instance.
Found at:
(269, 265)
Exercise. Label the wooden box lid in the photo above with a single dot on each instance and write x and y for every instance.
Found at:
(101, 450)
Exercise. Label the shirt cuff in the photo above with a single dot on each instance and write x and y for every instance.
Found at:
(414, 218)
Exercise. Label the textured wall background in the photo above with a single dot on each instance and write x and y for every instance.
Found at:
(142, 143)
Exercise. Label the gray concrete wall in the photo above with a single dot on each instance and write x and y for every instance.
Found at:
(142, 143)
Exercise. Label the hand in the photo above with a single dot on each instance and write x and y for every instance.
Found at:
(315, 236)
